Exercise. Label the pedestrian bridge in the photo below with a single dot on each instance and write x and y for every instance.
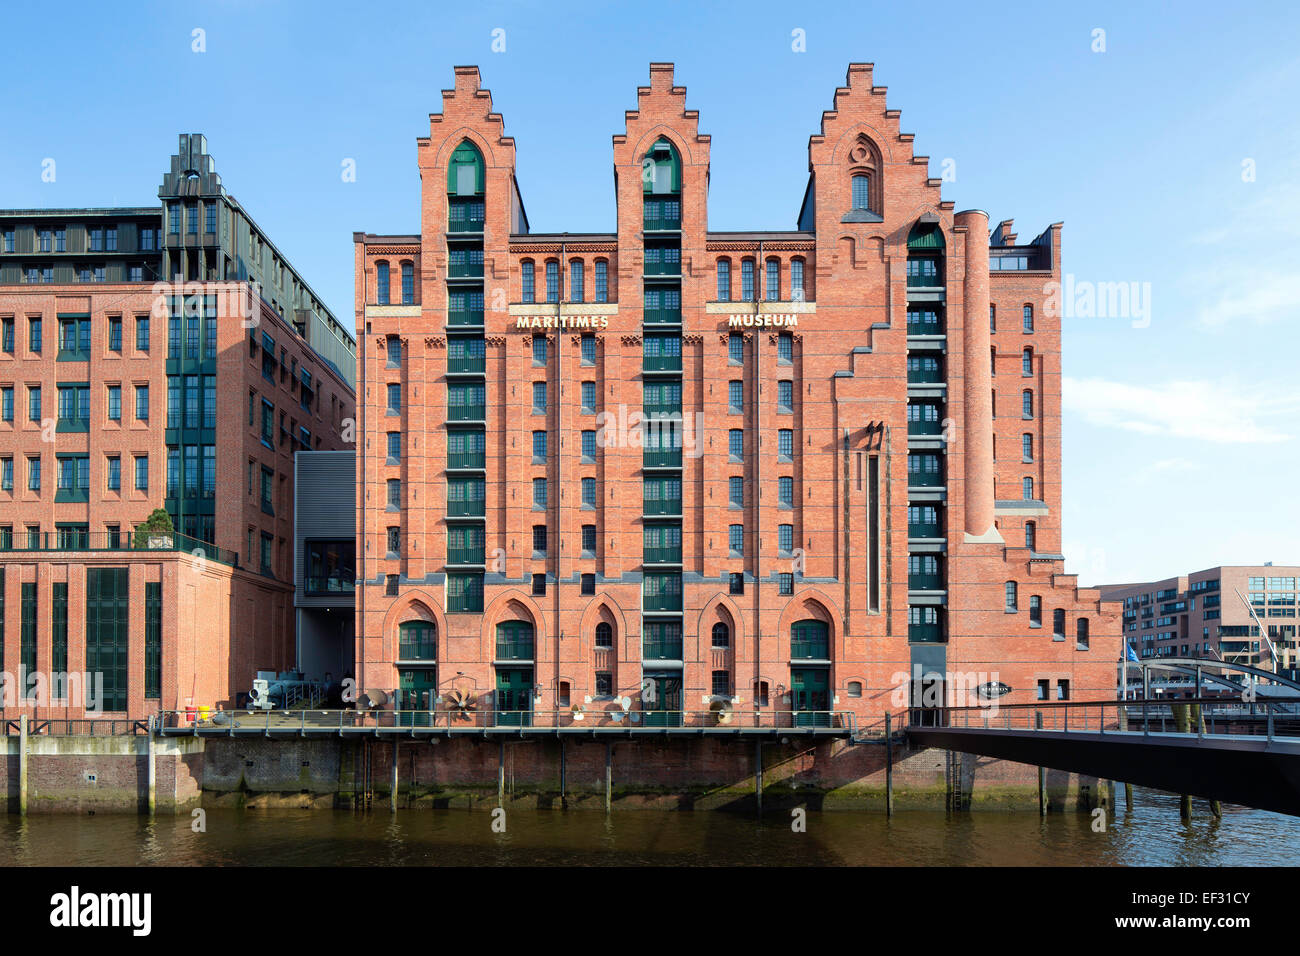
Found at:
(1217, 748)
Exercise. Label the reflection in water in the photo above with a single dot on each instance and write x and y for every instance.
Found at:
(1150, 833)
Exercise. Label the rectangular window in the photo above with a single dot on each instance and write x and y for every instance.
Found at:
(34, 333)
(588, 350)
(721, 684)
(394, 540)
(153, 640)
(59, 628)
(394, 392)
(589, 446)
(736, 444)
(575, 281)
(115, 403)
(527, 293)
(786, 582)
(539, 447)
(785, 538)
(735, 396)
(115, 333)
(589, 398)
(142, 405)
(539, 492)
(796, 280)
(785, 491)
(539, 398)
(773, 280)
(737, 582)
(539, 539)
(785, 348)
(588, 492)
(602, 280)
(785, 396)
(141, 472)
(27, 632)
(736, 491)
(747, 280)
(34, 402)
(114, 473)
(7, 325)
(736, 540)
(589, 538)
(394, 493)
(1027, 489)
(106, 629)
(724, 280)
(552, 281)
(785, 444)
(7, 403)
(589, 584)
(539, 350)
(6, 474)
(142, 333)
(34, 474)
(735, 348)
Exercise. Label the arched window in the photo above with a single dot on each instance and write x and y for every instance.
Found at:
(1027, 403)
(1027, 362)
(1012, 604)
(528, 289)
(576, 291)
(381, 282)
(724, 280)
(862, 191)
(661, 171)
(1081, 632)
(993, 360)
(416, 641)
(408, 283)
(855, 688)
(1035, 611)
(721, 635)
(602, 280)
(514, 641)
(604, 634)
(925, 250)
(1031, 535)
(465, 171)
(773, 280)
(809, 640)
(1028, 316)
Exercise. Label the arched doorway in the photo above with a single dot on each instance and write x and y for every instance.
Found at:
(810, 700)
(514, 690)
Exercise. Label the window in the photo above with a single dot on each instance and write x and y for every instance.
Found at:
(1028, 318)
(1026, 447)
(539, 350)
(142, 333)
(785, 538)
(142, 405)
(34, 333)
(861, 191)
(1044, 689)
(394, 539)
(736, 444)
(115, 333)
(589, 350)
(539, 492)
(394, 399)
(408, 283)
(737, 582)
(735, 396)
(589, 446)
(721, 684)
(724, 280)
(604, 634)
(34, 402)
(141, 472)
(736, 491)
(575, 281)
(552, 280)
(785, 348)
(268, 424)
(736, 540)
(394, 351)
(785, 396)
(115, 403)
(539, 584)
(589, 398)
(7, 403)
(1027, 489)
(8, 332)
(735, 348)
(588, 584)
(34, 474)
(539, 398)
(539, 447)
(589, 492)
(785, 444)
(1031, 534)
(539, 539)
(394, 494)
(6, 474)
(993, 318)
(796, 280)
(1027, 362)
(1063, 689)
(604, 684)
(747, 280)
(527, 293)
(381, 283)
(1027, 404)
(785, 492)
(394, 447)
(589, 539)
(785, 582)
(1035, 611)
(602, 280)
(773, 280)
(721, 635)
(1081, 633)
(1011, 596)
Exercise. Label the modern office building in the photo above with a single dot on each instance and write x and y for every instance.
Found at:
(1213, 614)
(122, 392)
(849, 471)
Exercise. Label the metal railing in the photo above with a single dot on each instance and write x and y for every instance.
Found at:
(597, 716)
(329, 585)
(1199, 717)
(80, 727)
(120, 541)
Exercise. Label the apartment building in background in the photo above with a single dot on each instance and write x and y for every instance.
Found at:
(656, 469)
(156, 358)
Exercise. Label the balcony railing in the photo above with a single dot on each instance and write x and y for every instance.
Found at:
(931, 326)
(925, 479)
(662, 224)
(123, 541)
(663, 316)
(924, 529)
(336, 584)
(925, 375)
(474, 508)
(465, 602)
(925, 582)
(465, 270)
(663, 268)
(662, 363)
(663, 506)
(465, 217)
(924, 427)
(925, 633)
(663, 555)
(663, 408)
(466, 413)
(655, 650)
(465, 555)
(662, 602)
(465, 317)
(802, 650)
(466, 459)
(514, 650)
(425, 649)
(470, 364)
(662, 458)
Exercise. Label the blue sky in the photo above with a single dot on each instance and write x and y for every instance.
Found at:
(1171, 157)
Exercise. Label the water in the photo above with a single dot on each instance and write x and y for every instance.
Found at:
(1150, 834)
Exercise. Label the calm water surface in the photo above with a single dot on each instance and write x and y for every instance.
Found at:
(1148, 834)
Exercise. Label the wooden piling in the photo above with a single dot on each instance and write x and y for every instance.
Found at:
(22, 765)
(889, 766)
(609, 776)
(153, 773)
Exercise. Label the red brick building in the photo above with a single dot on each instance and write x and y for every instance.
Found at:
(855, 472)
(120, 397)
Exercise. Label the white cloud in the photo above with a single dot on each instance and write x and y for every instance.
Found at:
(1202, 410)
